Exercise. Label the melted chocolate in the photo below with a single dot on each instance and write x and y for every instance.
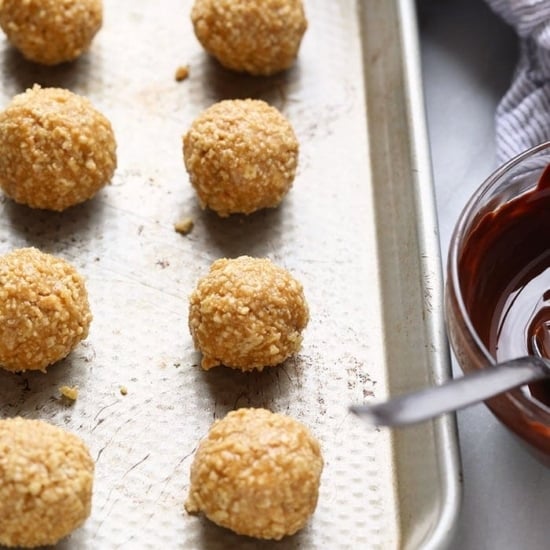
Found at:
(505, 270)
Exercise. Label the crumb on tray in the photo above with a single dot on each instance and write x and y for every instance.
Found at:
(70, 392)
(123, 390)
(184, 226)
(182, 72)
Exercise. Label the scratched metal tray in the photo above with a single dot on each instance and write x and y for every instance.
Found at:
(358, 229)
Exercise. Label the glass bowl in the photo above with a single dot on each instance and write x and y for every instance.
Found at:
(500, 235)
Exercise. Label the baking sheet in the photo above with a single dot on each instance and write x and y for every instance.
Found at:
(336, 232)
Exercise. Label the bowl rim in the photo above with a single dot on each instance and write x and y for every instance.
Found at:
(533, 407)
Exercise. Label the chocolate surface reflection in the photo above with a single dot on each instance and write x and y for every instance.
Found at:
(505, 278)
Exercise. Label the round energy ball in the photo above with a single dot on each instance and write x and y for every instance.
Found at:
(260, 37)
(44, 310)
(51, 31)
(247, 313)
(57, 150)
(46, 478)
(241, 156)
(256, 473)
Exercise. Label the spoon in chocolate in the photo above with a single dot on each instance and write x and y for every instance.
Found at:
(455, 394)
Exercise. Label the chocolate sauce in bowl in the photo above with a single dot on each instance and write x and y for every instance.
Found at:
(505, 278)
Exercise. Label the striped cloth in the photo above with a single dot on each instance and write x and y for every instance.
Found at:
(523, 115)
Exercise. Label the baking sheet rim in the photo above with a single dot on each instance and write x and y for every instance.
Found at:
(445, 427)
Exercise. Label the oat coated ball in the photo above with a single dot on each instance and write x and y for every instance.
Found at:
(46, 478)
(44, 310)
(247, 313)
(241, 156)
(51, 31)
(256, 473)
(57, 150)
(260, 37)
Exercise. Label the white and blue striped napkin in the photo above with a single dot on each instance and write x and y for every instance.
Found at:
(523, 115)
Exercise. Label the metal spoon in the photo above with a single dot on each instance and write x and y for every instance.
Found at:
(455, 394)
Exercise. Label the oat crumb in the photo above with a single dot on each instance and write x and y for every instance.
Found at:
(184, 226)
(70, 392)
(182, 72)
(123, 390)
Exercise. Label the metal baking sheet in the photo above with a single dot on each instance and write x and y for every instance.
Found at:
(358, 229)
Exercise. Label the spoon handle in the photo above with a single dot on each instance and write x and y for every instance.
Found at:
(455, 394)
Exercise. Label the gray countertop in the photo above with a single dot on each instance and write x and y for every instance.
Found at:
(468, 58)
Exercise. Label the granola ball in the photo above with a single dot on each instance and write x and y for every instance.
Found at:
(256, 473)
(46, 478)
(260, 37)
(247, 313)
(51, 31)
(57, 150)
(241, 156)
(44, 311)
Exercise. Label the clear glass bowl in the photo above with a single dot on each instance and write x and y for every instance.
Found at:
(522, 413)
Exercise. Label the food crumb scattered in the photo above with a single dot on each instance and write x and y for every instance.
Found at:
(182, 72)
(184, 226)
(70, 392)
(123, 390)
